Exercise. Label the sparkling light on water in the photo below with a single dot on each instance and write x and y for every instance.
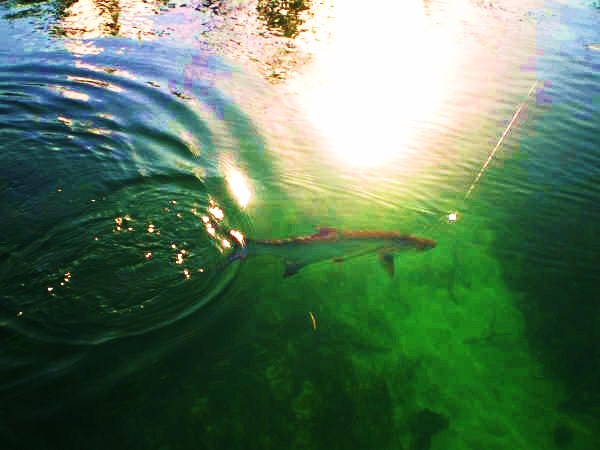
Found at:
(238, 186)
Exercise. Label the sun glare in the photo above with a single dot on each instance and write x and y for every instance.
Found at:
(238, 186)
(377, 80)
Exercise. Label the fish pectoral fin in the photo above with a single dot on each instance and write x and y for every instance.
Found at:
(291, 268)
(387, 261)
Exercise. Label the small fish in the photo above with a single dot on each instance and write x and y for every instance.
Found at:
(333, 245)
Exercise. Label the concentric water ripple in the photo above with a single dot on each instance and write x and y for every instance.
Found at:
(108, 175)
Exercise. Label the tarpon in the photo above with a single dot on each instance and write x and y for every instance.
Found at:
(333, 245)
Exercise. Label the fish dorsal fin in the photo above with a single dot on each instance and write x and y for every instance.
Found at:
(387, 261)
(326, 231)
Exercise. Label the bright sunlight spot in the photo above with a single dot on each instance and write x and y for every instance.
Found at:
(238, 186)
(380, 77)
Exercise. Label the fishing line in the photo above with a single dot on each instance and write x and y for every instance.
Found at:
(453, 215)
(500, 141)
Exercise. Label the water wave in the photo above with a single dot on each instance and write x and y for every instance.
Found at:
(111, 160)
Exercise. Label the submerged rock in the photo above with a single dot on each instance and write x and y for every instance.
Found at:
(562, 436)
(424, 425)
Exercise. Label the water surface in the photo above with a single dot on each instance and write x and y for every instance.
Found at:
(129, 149)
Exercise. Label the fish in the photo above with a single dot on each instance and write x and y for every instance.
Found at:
(331, 244)
(594, 47)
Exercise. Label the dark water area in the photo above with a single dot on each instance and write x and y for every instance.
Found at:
(134, 161)
(557, 175)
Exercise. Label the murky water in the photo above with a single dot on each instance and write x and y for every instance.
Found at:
(134, 160)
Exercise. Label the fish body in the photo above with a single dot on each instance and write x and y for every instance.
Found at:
(333, 245)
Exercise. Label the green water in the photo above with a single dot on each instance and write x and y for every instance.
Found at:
(121, 324)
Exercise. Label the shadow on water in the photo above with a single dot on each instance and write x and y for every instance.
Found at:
(232, 377)
(113, 155)
(549, 246)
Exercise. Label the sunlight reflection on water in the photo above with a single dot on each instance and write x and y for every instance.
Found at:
(377, 79)
(389, 84)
